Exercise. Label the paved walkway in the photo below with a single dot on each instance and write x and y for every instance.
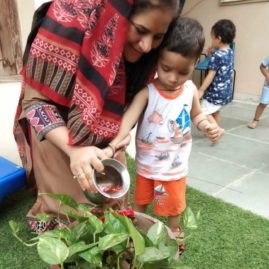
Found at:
(235, 170)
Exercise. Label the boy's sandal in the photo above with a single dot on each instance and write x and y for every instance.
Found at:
(179, 235)
(253, 124)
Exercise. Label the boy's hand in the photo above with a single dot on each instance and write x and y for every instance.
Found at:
(122, 145)
(114, 149)
(214, 132)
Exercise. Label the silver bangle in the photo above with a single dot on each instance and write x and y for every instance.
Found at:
(199, 122)
(113, 149)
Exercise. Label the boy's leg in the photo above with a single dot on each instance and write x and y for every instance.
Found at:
(143, 195)
(170, 201)
(140, 208)
(173, 222)
(259, 110)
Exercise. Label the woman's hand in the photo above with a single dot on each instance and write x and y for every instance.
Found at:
(82, 162)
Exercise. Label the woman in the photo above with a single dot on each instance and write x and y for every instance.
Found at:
(85, 64)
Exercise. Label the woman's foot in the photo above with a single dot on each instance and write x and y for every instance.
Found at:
(253, 124)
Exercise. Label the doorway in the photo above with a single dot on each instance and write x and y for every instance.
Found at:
(10, 39)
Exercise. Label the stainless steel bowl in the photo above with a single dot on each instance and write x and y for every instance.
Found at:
(115, 177)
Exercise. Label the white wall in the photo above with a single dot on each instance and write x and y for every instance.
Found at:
(39, 2)
(26, 10)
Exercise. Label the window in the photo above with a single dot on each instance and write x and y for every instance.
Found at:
(237, 2)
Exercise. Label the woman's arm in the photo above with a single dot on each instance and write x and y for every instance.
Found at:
(82, 159)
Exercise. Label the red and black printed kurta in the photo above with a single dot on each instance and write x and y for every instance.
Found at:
(76, 61)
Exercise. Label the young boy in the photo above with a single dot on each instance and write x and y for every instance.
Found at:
(216, 89)
(264, 100)
(164, 110)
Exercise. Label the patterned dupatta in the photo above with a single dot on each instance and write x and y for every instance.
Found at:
(75, 60)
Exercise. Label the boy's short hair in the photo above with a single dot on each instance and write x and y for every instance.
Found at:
(185, 37)
(225, 29)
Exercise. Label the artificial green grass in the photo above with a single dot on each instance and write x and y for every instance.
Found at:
(14, 255)
(227, 237)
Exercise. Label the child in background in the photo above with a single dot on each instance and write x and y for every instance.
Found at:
(264, 100)
(164, 110)
(216, 89)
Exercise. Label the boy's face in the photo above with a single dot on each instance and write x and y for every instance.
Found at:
(174, 69)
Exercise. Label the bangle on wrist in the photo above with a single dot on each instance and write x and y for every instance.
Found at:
(199, 122)
(113, 149)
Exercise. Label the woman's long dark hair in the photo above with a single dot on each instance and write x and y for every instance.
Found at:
(137, 74)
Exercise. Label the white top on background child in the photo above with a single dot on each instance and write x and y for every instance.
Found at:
(265, 63)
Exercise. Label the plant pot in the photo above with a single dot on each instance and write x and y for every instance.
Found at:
(144, 222)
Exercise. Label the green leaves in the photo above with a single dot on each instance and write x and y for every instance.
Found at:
(14, 226)
(152, 254)
(112, 240)
(114, 224)
(138, 240)
(162, 248)
(189, 219)
(52, 250)
(64, 199)
(157, 233)
(93, 257)
(90, 243)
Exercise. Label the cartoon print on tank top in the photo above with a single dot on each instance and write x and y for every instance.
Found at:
(181, 132)
(154, 118)
(180, 127)
(157, 119)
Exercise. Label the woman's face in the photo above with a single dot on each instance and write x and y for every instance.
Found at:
(146, 32)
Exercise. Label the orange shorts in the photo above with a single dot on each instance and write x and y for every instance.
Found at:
(168, 196)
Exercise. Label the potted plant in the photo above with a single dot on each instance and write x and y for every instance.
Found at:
(105, 239)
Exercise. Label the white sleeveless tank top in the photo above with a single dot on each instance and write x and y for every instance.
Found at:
(163, 138)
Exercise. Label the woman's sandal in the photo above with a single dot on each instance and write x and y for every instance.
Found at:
(253, 124)
(179, 235)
